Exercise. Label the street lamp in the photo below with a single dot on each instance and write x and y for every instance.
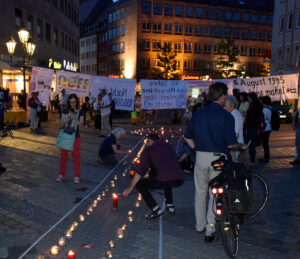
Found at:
(28, 48)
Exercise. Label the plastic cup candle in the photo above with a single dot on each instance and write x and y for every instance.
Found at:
(62, 241)
(124, 227)
(137, 162)
(109, 254)
(103, 194)
(81, 218)
(54, 250)
(130, 219)
(131, 174)
(71, 255)
(69, 234)
(120, 233)
(115, 177)
(124, 174)
(139, 197)
(137, 204)
(112, 183)
(99, 198)
(115, 201)
(111, 244)
(95, 203)
(130, 213)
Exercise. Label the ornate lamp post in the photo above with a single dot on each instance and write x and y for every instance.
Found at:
(28, 48)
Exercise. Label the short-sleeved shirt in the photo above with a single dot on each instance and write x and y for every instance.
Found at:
(72, 123)
(238, 124)
(106, 146)
(212, 129)
(105, 102)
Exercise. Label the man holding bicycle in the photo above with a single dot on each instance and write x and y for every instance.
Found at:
(211, 133)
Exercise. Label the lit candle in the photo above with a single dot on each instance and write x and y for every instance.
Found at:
(103, 194)
(129, 151)
(81, 218)
(167, 141)
(69, 234)
(115, 177)
(112, 184)
(137, 204)
(124, 227)
(124, 173)
(131, 174)
(130, 219)
(54, 250)
(139, 197)
(137, 162)
(61, 241)
(115, 201)
(95, 203)
(155, 131)
(120, 233)
(87, 213)
(111, 244)
(71, 255)
(90, 209)
(130, 213)
(99, 197)
(109, 254)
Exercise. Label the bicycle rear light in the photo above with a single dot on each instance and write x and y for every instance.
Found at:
(220, 190)
(214, 191)
(219, 212)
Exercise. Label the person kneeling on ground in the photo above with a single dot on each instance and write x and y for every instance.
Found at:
(165, 173)
(111, 146)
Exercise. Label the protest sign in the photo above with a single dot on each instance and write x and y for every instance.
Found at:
(163, 94)
(122, 90)
(281, 87)
(76, 83)
(197, 87)
(41, 80)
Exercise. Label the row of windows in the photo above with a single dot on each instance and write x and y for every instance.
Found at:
(291, 57)
(89, 69)
(290, 24)
(208, 31)
(118, 48)
(112, 65)
(88, 42)
(113, 34)
(116, 15)
(88, 55)
(46, 32)
(200, 13)
(187, 47)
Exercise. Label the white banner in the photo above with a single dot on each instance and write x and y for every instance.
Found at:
(76, 83)
(163, 94)
(41, 80)
(281, 87)
(122, 90)
(196, 87)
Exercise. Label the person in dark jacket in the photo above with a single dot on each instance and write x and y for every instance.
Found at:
(165, 173)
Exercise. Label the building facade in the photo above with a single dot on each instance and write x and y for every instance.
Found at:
(286, 37)
(130, 33)
(54, 27)
(88, 55)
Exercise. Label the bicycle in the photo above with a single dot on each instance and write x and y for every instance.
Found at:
(233, 207)
(6, 130)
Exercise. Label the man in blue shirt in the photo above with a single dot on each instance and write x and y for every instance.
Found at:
(211, 133)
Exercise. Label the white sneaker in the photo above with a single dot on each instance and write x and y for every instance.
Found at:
(76, 180)
(60, 178)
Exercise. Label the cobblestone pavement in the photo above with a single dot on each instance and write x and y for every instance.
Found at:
(31, 202)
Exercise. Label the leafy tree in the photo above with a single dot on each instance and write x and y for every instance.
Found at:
(166, 64)
(228, 62)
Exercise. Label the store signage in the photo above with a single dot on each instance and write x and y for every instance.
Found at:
(54, 64)
(70, 66)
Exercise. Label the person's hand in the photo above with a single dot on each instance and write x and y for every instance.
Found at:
(126, 192)
(71, 115)
(244, 146)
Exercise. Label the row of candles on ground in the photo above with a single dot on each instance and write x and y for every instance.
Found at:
(160, 132)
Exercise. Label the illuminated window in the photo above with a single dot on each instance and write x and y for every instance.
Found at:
(178, 28)
(156, 45)
(197, 48)
(168, 28)
(187, 47)
(188, 30)
(177, 46)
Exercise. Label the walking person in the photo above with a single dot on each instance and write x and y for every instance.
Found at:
(211, 133)
(165, 173)
(296, 127)
(72, 118)
(267, 111)
(105, 113)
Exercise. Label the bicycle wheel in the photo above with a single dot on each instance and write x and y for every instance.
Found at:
(229, 233)
(260, 196)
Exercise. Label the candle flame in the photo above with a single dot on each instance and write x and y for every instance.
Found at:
(54, 250)
(71, 252)
(115, 195)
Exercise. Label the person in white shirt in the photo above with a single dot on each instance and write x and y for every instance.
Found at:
(267, 111)
(105, 113)
(231, 106)
(296, 127)
(52, 99)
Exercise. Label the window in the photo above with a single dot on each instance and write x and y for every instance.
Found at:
(189, 12)
(145, 63)
(262, 36)
(271, 20)
(236, 34)
(55, 36)
(216, 49)
(209, 14)
(155, 63)
(18, 17)
(157, 28)
(114, 33)
(155, 45)
(177, 46)
(244, 51)
(197, 48)
(187, 47)
(218, 32)
(146, 27)
(122, 46)
(290, 21)
(227, 33)
(246, 17)
(237, 17)
(260, 52)
(29, 22)
(110, 18)
(287, 56)
(122, 13)
(254, 18)
(263, 19)
(187, 64)
(178, 29)
(198, 30)
(281, 27)
(168, 28)
(227, 16)
(177, 62)
(114, 17)
(188, 30)
(123, 30)
(168, 10)
(145, 45)
(219, 15)
(39, 30)
(118, 32)
(199, 13)
(207, 49)
(118, 15)
(244, 35)
(298, 19)
(197, 64)
(252, 52)
(253, 35)
(157, 9)
(279, 55)
(146, 7)
(48, 32)
(179, 10)
(208, 31)
(296, 57)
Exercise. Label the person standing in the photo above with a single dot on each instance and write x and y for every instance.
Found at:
(211, 132)
(97, 112)
(64, 100)
(296, 127)
(72, 118)
(52, 100)
(33, 104)
(22, 99)
(112, 109)
(244, 105)
(267, 111)
(105, 113)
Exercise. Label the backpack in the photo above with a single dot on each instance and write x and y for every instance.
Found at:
(275, 120)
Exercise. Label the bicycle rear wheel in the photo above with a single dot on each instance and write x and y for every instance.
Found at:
(260, 196)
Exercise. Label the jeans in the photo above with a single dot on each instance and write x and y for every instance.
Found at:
(76, 158)
(250, 135)
(265, 142)
(145, 184)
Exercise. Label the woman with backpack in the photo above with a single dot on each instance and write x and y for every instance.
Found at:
(267, 111)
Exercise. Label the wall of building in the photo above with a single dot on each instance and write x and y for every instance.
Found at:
(88, 55)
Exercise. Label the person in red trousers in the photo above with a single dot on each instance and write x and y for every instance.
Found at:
(72, 118)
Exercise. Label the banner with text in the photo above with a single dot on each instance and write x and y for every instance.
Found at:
(122, 90)
(281, 87)
(197, 87)
(163, 94)
(76, 83)
(41, 80)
